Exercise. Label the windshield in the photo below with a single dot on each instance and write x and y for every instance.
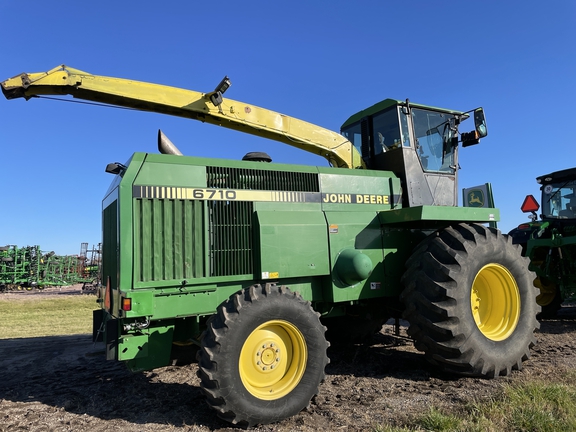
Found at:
(434, 132)
(559, 200)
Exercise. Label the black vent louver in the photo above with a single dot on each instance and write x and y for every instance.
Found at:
(241, 178)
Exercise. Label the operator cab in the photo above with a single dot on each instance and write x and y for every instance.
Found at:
(558, 195)
(416, 142)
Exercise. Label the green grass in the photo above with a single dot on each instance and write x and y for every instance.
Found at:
(65, 315)
(521, 407)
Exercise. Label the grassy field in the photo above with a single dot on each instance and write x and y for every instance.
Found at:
(523, 406)
(62, 315)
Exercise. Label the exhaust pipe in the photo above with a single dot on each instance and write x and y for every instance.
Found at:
(165, 146)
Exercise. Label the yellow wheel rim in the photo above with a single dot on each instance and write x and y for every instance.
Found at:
(495, 301)
(547, 292)
(273, 360)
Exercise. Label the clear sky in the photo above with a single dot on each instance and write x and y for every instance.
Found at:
(320, 61)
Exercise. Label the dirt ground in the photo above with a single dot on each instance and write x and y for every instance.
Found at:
(63, 383)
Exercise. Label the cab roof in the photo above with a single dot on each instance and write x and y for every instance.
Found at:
(558, 176)
(387, 103)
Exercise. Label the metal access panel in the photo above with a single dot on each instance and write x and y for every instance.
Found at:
(361, 232)
(291, 244)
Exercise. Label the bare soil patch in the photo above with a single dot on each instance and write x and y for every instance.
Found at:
(64, 383)
(33, 294)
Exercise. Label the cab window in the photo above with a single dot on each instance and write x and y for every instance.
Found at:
(385, 131)
(433, 132)
(354, 135)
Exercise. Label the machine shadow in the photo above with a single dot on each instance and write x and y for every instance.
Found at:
(385, 355)
(70, 373)
(563, 322)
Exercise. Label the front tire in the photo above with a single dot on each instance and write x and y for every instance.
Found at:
(263, 356)
(470, 301)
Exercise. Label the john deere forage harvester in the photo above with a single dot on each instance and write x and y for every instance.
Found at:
(250, 260)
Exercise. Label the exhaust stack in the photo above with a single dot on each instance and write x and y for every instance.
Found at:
(165, 146)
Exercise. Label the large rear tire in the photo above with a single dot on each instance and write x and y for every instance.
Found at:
(263, 356)
(470, 301)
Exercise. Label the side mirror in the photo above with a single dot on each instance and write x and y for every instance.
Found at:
(480, 123)
(480, 129)
(115, 168)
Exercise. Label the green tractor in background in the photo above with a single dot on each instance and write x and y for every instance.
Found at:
(550, 242)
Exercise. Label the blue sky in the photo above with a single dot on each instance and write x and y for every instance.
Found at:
(318, 61)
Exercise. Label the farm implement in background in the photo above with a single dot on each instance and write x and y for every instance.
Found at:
(27, 268)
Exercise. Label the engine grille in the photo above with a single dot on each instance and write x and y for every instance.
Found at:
(177, 238)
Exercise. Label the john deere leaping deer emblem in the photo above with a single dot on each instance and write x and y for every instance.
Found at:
(475, 198)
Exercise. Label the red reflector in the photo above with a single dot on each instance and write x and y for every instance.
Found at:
(524, 226)
(126, 304)
(108, 294)
(530, 204)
